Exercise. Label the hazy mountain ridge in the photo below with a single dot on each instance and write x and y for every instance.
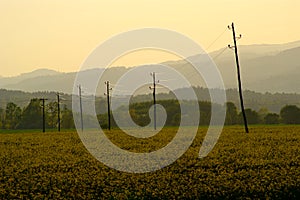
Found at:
(253, 100)
(264, 68)
(259, 50)
(6, 81)
(264, 73)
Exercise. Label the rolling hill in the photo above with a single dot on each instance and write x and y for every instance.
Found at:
(264, 68)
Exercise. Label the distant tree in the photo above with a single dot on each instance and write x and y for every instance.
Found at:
(290, 114)
(231, 114)
(205, 112)
(51, 110)
(32, 116)
(67, 120)
(176, 119)
(172, 108)
(12, 115)
(252, 116)
(139, 113)
(1, 118)
(271, 118)
(102, 118)
(262, 113)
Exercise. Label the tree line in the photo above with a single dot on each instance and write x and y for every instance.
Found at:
(254, 100)
(139, 111)
(30, 117)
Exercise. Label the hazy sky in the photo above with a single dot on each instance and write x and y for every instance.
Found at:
(59, 34)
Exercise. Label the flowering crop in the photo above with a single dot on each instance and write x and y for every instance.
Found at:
(262, 164)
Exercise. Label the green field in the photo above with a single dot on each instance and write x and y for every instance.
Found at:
(262, 164)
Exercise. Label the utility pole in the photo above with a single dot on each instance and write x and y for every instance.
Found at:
(58, 112)
(44, 117)
(108, 103)
(238, 74)
(154, 98)
(80, 104)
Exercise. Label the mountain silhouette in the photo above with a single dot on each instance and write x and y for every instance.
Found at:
(264, 68)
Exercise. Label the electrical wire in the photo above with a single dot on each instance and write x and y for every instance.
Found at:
(215, 57)
(217, 39)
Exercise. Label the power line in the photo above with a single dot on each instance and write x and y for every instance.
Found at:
(216, 39)
(215, 57)
(167, 80)
(118, 90)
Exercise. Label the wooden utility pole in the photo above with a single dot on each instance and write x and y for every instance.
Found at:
(239, 76)
(80, 104)
(58, 112)
(44, 117)
(154, 98)
(108, 104)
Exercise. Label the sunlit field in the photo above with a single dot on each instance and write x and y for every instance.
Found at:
(262, 164)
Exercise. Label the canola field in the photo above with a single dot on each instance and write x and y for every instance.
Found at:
(263, 164)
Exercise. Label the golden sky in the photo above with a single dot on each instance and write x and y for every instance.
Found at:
(60, 34)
